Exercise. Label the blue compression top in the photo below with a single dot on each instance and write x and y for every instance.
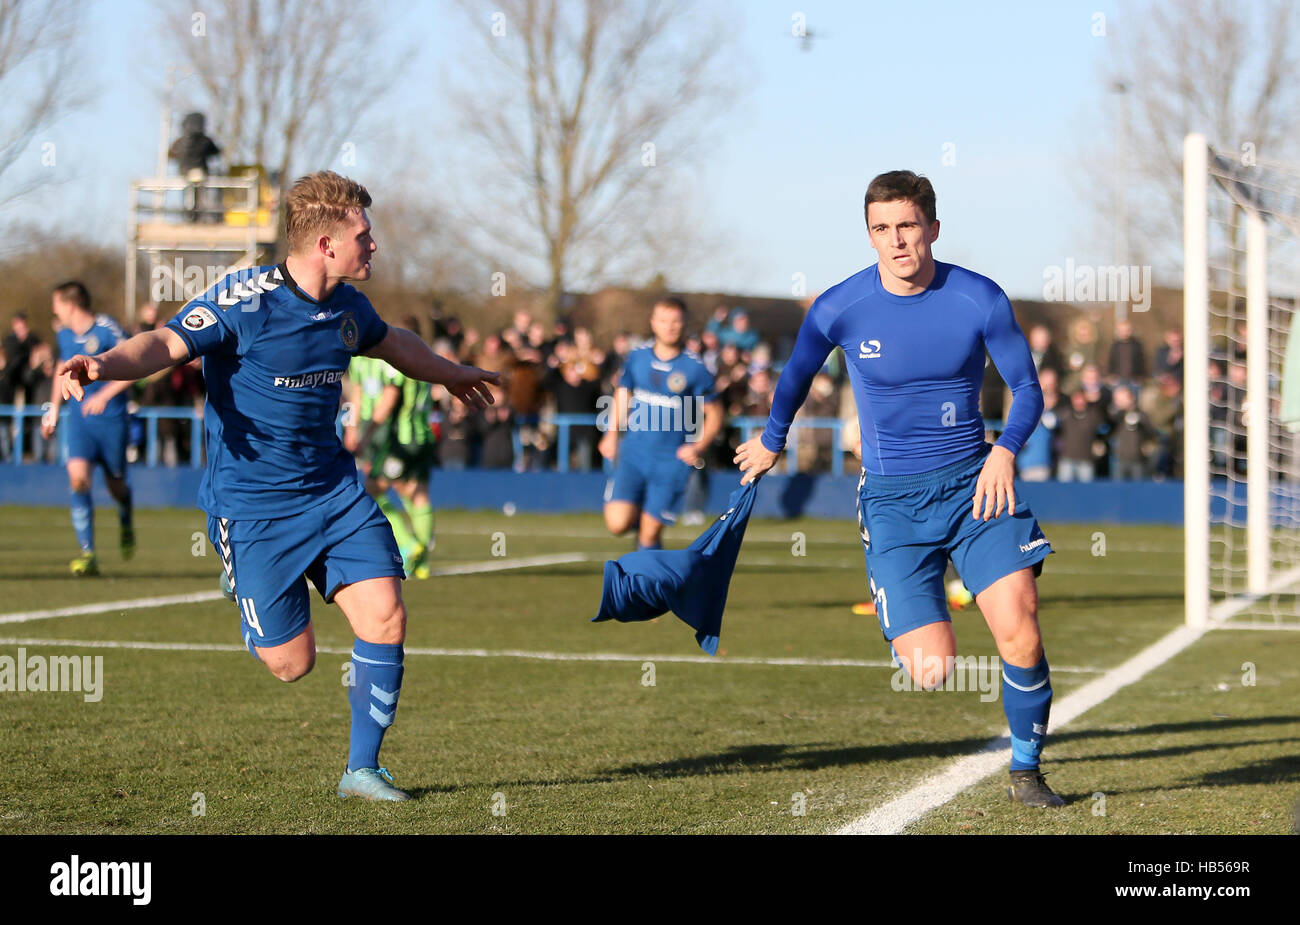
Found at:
(916, 364)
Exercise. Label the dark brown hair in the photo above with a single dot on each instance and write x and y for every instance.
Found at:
(74, 293)
(905, 185)
(672, 301)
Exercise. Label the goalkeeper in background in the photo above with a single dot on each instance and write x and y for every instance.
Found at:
(388, 430)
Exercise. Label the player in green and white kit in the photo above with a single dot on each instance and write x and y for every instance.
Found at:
(389, 431)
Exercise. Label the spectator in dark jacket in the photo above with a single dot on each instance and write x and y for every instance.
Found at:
(1128, 358)
(18, 344)
(1078, 428)
(37, 384)
(574, 381)
(456, 443)
(497, 428)
(1132, 438)
(1169, 358)
(191, 152)
(1044, 352)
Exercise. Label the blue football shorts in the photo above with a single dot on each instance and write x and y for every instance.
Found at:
(268, 562)
(101, 439)
(912, 525)
(653, 481)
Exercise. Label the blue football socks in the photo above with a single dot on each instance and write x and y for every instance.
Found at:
(1027, 700)
(376, 683)
(83, 519)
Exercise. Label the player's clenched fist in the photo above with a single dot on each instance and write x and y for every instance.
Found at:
(74, 375)
(754, 459)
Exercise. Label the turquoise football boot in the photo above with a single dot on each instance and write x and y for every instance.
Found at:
(370, 784)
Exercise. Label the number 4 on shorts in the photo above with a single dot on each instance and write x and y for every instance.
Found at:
(250, 614)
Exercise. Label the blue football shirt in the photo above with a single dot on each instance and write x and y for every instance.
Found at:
(666, 406)
(100, 336)
(916, 364)
(274, 360)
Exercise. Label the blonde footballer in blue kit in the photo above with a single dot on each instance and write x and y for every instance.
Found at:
(285, 504)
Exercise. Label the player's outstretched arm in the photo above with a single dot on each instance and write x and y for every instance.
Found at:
(135, 358)
(411, 356)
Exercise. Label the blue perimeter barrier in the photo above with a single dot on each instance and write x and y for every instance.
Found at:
(822, 495)
(572, 492)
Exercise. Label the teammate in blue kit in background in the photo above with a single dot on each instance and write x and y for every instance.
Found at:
(96, 425)
(664, 396)
(284, 501)
(915, 333)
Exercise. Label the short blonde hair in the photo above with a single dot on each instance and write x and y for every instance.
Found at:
(318, 204)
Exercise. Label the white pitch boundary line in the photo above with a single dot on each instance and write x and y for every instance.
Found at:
(140, 603)
(198, 597)
(934, 791)
(491, 653)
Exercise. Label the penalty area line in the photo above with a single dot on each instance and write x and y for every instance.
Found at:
(892, 817)
(199, 597)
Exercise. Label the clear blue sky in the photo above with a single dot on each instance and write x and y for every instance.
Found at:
(1013, 87)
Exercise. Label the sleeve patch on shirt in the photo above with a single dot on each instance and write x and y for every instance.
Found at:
(198, 319)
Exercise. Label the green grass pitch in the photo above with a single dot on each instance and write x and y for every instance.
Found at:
(499, 743)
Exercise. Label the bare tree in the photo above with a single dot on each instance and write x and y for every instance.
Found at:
(38, 81)
(581, 119)
(1226, 69)
(283, 82)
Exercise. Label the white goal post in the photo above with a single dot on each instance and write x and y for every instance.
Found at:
(1241, 461)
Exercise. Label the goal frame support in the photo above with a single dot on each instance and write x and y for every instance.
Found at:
(1196, 379)
(1260, 580)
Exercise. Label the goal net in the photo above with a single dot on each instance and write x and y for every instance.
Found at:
(1241, 408)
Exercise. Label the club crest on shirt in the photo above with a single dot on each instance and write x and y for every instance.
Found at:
(91, 345)
(198, 319)
(677, 382)
(349, 333)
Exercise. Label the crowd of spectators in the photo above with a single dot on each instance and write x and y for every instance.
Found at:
(26, 376)
(1112, 414)
(1117, 416)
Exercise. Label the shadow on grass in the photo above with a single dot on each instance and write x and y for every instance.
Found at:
(417, 792)
(748, 759)
(1056, 599)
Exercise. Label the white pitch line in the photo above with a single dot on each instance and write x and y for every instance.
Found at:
(107, 606)
(893, 817)
(489, 653)
(198, 597)
(497, 565)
